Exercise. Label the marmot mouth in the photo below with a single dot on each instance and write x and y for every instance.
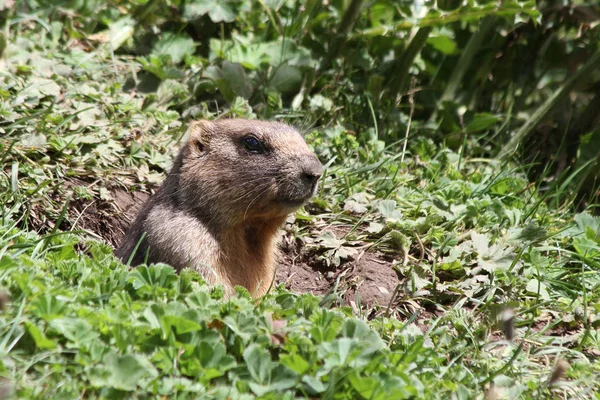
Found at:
(295, 203)
(295, 197)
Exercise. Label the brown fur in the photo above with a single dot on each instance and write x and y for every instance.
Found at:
(221, 205)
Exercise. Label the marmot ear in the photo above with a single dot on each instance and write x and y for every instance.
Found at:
(199, 133)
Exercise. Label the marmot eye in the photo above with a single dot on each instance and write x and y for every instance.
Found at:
(252, 144)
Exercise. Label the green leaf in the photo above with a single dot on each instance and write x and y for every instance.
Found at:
(122, 372)
(329, 241)
(375, 227)
(366, 386)
(48, 307)
(252, 55)
(79, 332)
(585, 221)
(314, 384)
(357, 329)
(387, 208)
(154, 276)
(443, 44)
(530, 233)
(337, 352)
(214, 355)
(170, 385)
(39, 87)
(535, 286)
(41, 341)
(282, 378)
(589, 148)
(258, 361)
(295, 362)
(344, 253)
(235, 76)
(217, 10)
(326, 326)
(587, 247)
(319, 102)
(34, 140)
(482, 122)
(231, 80)
(286, 78)
(181, 325)
(175, 46)
(481, 243)
(120, 32)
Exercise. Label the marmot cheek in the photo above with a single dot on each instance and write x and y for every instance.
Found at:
(272, 193)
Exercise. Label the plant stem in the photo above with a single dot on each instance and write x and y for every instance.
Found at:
(340, 38)
(403, 63)
(584, 73)
(466, 58)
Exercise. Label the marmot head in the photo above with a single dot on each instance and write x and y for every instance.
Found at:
(236, 170)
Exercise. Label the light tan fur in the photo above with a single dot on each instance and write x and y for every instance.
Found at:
(221, 206)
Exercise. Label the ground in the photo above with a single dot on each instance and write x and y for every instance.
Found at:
(445, 263)
(369, 278)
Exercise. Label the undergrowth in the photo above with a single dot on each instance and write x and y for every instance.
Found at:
(498, 292)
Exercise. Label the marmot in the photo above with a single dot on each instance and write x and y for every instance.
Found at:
(219, 210)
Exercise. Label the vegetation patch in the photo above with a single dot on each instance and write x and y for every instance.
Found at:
(434, 261)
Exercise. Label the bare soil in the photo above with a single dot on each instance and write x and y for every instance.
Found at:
(109, 219)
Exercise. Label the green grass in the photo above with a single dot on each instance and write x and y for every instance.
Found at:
(469, 236)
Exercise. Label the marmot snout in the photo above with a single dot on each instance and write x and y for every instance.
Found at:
(230, 189)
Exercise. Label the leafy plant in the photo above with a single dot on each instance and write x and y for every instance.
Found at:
(454, 273)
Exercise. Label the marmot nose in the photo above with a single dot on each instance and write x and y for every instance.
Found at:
(311, 170)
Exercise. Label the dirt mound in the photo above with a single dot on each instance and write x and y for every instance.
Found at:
(367, 282)
(375, 281)
(109, 219)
